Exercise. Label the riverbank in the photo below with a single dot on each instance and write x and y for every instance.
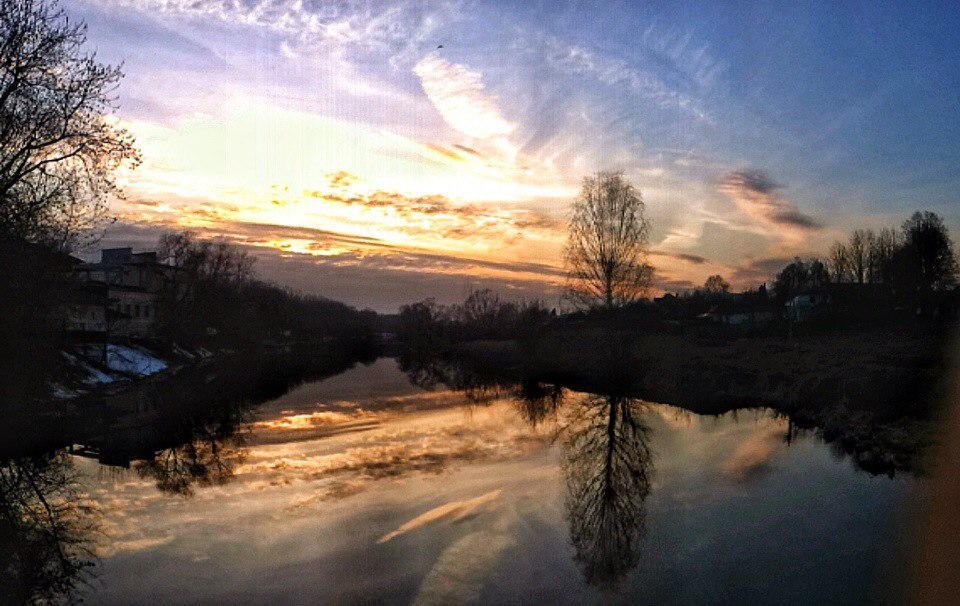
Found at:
(90, 368)
(131, 419)
(876, 393)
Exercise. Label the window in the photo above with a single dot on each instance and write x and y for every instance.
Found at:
(136, 311)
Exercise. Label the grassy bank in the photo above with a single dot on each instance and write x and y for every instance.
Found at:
(875, 393)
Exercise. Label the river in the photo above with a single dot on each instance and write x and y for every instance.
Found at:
(366, 488)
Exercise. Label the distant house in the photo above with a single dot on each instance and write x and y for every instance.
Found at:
(746, 313)
(134, 283)
(808, 305)
(739, 314)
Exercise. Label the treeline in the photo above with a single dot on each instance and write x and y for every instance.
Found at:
(428, 326)
(58, 156)
(916, 265)
(213, 296)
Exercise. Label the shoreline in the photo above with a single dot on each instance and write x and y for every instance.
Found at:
(877, 394)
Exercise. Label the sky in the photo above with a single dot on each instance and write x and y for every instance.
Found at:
(381, 153)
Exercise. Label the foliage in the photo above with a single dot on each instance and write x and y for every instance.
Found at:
(716, 285)
(799, 276)
(928, 251)
(213, 296)
(606, 249)
(865, 258)
(59, 146)
(429, 327)
(917, 264)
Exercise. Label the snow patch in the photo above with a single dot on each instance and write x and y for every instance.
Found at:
(133, 360)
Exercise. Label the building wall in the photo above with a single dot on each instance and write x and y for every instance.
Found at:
(138, 309)
(86, 318)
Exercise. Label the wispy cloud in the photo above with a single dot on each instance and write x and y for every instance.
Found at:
(459, 95)
(757, 195)
(455, 511)
(463, 569)
(640, 80)
(394, 26)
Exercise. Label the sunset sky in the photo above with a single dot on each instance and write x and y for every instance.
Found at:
(383, 152)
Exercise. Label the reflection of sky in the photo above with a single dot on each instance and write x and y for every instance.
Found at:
(339, 136)
(431, 501)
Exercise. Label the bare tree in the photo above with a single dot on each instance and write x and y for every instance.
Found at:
(59, 146)
(716, 285)
(207, 273)
(47, 530)
(606, 248)
(839, 263)
(882, 248)
(857, 254)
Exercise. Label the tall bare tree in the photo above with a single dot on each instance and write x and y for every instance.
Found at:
(606, 250)
(839, 262)
(857, 254)
(59, 144)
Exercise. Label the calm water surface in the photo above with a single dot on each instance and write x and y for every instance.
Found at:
(363, 488)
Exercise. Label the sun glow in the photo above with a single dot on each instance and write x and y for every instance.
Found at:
(260, 164)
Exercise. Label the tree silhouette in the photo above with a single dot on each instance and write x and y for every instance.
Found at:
(716, 285)
(928, 250)
(58, 149)
(606, 249)
(799, 276)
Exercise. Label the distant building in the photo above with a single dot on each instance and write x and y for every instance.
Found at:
(745, 313)
(133, 283)
(737, 314)
(806, 306)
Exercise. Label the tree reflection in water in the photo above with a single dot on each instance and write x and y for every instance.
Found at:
(608, 464)
(606, 458)
(430, 372)
(206, 454)
(536, 402)
(45, 530)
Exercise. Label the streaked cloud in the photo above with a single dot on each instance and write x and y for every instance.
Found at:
(459, 96)
(459, 574)
(698, 70)
(454, 511)
(757, 195)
